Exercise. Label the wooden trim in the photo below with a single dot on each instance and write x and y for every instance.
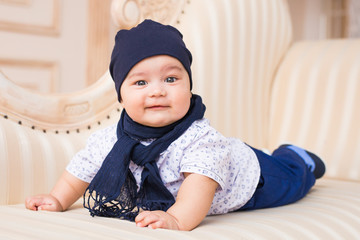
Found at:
(98, 49)
(52, 67)
(16, 2)
(346, 20)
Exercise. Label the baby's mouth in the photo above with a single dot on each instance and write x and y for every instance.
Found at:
(157, 107)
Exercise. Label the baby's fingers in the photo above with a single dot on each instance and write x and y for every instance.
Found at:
(43, 202)
(48, 207)
(157, 224)
(32, 203)
(146, 218)
(140, 217)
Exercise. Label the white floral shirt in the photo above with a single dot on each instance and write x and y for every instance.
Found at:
(201, 149)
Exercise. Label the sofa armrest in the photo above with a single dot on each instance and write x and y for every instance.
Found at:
(31, 160)
(315, 103)
(40, 133)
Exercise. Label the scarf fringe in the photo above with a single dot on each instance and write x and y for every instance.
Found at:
(120, 208)
(99, 205)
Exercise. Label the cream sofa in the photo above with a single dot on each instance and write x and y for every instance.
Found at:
(257, 84)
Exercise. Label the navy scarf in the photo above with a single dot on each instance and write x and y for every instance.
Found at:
(113, 191)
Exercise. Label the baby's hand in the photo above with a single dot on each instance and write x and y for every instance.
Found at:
(156, 219)
(43, 202)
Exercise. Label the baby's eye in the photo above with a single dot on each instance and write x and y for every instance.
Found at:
(140, 83)
(170, 79)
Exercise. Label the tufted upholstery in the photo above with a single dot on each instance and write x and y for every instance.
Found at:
(40, 133)
(257, 84)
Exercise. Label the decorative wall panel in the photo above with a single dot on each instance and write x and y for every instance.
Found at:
(55, 46)
(34, 17)
(45, 73)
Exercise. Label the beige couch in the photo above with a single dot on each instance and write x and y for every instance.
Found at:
(257, 84)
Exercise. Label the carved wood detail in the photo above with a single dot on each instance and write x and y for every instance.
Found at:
(128, 13)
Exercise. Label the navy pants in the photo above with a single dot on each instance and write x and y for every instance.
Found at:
(284, 179)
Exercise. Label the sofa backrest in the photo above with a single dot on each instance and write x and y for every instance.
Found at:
(40, 133)
(237, 46)
(316, 103)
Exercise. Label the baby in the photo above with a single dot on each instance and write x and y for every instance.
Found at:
(163, 165)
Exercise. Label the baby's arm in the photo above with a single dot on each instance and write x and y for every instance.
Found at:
(67, 190)
(192, 204)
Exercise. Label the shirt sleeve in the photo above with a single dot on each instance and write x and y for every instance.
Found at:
(87, 162)
(208, 155)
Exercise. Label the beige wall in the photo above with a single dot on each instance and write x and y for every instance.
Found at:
(55, 45)
(64, 45)
(322, 19)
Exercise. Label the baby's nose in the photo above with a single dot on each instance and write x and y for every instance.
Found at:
(157, 90)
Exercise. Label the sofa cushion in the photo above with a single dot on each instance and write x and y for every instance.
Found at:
(330, 211)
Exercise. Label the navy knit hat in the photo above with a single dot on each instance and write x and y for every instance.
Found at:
(147, 39)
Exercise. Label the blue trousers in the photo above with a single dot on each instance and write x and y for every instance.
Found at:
(284, 179)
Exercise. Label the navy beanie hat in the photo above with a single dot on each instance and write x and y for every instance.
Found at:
(147, 39)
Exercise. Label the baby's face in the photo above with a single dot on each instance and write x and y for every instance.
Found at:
(156, 91)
